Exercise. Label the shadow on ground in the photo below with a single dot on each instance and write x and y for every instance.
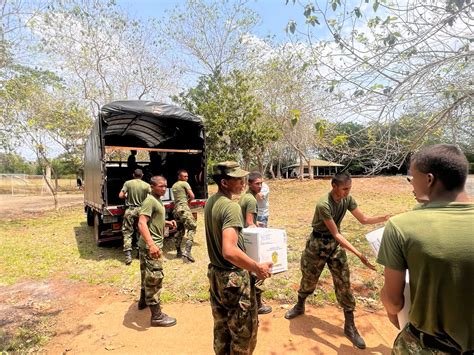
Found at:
(89, 250)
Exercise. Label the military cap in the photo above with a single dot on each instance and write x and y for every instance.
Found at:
(229, 168)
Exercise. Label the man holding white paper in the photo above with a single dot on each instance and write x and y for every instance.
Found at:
(231, 284)
(322, 247)
(435, 243)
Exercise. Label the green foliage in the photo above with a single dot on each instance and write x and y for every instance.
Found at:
(232, 117)
(11, 163)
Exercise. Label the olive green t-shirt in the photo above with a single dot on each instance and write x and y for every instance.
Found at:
(327, 208)
(153, 207)
(435, 242)
(179, 192)
(136, 190)
(248, 204)
(221, 213)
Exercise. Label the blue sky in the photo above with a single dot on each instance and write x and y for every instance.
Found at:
(274, 14)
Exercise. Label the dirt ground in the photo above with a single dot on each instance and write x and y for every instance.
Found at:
(98, 320)
(21, 206)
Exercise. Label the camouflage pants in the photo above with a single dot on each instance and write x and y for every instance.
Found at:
(407, 343)
(151, 277)
(319, 252)
(128, 226)
(185, 221)
(234, 310)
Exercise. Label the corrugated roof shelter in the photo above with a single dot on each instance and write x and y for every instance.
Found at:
(320, 168)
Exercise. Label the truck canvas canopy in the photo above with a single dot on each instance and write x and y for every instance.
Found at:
(167, 139)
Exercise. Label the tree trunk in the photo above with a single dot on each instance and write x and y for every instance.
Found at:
(301, 177)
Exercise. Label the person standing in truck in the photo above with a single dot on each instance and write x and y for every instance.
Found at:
(134, 192)
(151, 224)
(183, 195)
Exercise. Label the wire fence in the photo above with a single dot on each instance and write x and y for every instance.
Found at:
(23, 184)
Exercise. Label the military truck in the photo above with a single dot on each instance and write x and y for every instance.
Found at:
(166, 139)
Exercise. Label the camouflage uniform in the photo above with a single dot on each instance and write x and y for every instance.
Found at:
(183, 215)
(232, 289)
(234, 310)
(128, 227)
(320, 251)
(151, 271)
(407, 343)
(136, 191)
(185, 221)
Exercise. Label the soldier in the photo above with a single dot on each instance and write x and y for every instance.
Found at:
(232, 287)
(134, 192)
(151, 223)
(248, 204)
(322, 247)
(434, 242)
(183, 194)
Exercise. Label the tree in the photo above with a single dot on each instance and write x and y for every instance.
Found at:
(290, 97)
(11, 163)
(395, 59)
(104, 54)
(207, 35)
(35, 113)
(232, 117)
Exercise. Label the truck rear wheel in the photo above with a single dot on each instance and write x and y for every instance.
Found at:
(90, 217)
(98, 228)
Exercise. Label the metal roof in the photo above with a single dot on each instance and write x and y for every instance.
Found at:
(316, 163)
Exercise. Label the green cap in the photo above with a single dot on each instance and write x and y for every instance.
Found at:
(229, 168)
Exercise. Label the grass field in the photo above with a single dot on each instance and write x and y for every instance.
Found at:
(60, 246)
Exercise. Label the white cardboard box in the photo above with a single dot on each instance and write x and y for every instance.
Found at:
(267, 244)
(375, 239)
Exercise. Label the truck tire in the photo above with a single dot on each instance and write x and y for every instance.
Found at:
(90, 217)
(98, 227)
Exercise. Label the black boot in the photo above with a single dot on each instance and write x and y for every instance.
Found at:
(351, 332)
(128, 257)
(187, 257)
(262, 309)
(179, 253)
(160, 319)
(141, 301)
(297, 310)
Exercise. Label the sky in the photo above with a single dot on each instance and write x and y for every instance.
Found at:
(274, 14)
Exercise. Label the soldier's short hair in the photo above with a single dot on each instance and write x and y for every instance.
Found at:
(138, 173)
(254, 175)
(181, 171)
(446, 162)
(341, 178)
(155, 180)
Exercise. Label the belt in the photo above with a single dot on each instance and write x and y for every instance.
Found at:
(431, 341)
(316, 234)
